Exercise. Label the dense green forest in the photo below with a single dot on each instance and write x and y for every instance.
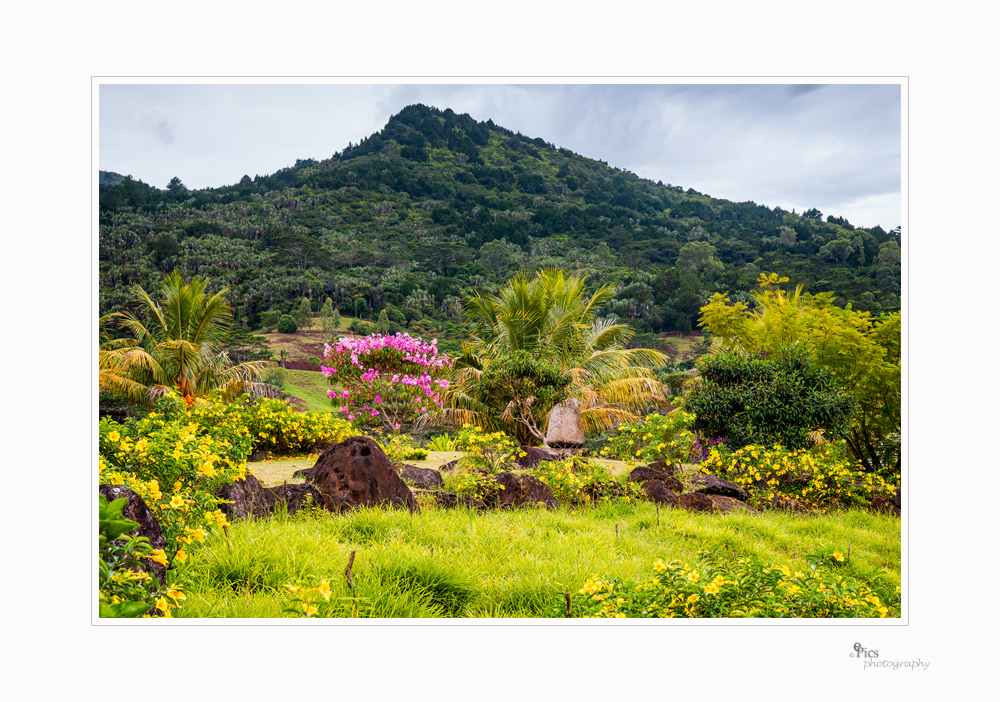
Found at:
(436, 204)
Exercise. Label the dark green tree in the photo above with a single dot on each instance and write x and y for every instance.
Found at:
(749, 398)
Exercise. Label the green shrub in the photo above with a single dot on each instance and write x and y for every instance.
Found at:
(287, 325)
(578, 481)
(756, 399)
(657, 437)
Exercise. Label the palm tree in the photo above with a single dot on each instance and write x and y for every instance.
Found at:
(551, 317)
(176, 345)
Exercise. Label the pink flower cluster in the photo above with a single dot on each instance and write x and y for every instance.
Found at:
(413, 350)
(364, 365)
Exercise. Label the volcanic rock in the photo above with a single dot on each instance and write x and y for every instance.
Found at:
(510, 490)
(424, 478)
(136, 510)
(355, 473)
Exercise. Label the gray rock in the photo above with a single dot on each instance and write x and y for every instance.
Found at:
(565, 426)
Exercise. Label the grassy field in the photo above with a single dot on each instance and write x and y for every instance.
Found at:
(457, 563)
(308, 389)
(680, 348)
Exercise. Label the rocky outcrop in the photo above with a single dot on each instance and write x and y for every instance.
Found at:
(659, 493)
(295, 496)
(357, 473)
(423, 478)
(533, 456)
(642, 474)
(695, 502)
(136, 510)
(245, 499)
(509, 490)
(713, 485)
(888, 504)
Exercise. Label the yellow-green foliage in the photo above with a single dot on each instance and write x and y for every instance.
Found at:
(655, 438)
(821, 477)
(578, 481)
(175, 467)
(493, 452)
(748, 587)
(273, 426)
(401, 447)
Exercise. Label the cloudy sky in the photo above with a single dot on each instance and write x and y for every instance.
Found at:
(836, 147)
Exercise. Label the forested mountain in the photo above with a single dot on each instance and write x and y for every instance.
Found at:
(436, 204)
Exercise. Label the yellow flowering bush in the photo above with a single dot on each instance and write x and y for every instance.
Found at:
(717, 586)
(576, 481)
(657, 437)
(822, 477)
(273, 426)
(493, 452)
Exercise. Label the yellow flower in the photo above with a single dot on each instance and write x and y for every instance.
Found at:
(837, 556)
(176, 594)
(692, 599)
(324, 589)
(114, 436)
(158, 555)
(198, 534)
(176, 502)
(180, 556)
(291, 588)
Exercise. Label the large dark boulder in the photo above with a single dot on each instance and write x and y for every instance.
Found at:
(642, 474)
(659, 493)
(136, 510)
(696, 502)
(510, 490)
(246, 499)
(357, 473)
(713, 485)
(295, 496)
(423, 478)
(533, 456)
(668, 468)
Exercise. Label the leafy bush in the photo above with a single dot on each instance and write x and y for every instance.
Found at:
(657, 437)
(493, 453)
(125, 590)
(287, 324)
(721, 587)
(748, 398)
(823, 477)
(401, 447)
(386, 381)
(577, 481)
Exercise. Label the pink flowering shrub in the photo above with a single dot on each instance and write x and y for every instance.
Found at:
(385, 380)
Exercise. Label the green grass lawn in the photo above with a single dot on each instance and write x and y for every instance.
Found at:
(458, 563)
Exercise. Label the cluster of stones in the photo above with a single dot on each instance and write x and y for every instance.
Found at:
(357, 473)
